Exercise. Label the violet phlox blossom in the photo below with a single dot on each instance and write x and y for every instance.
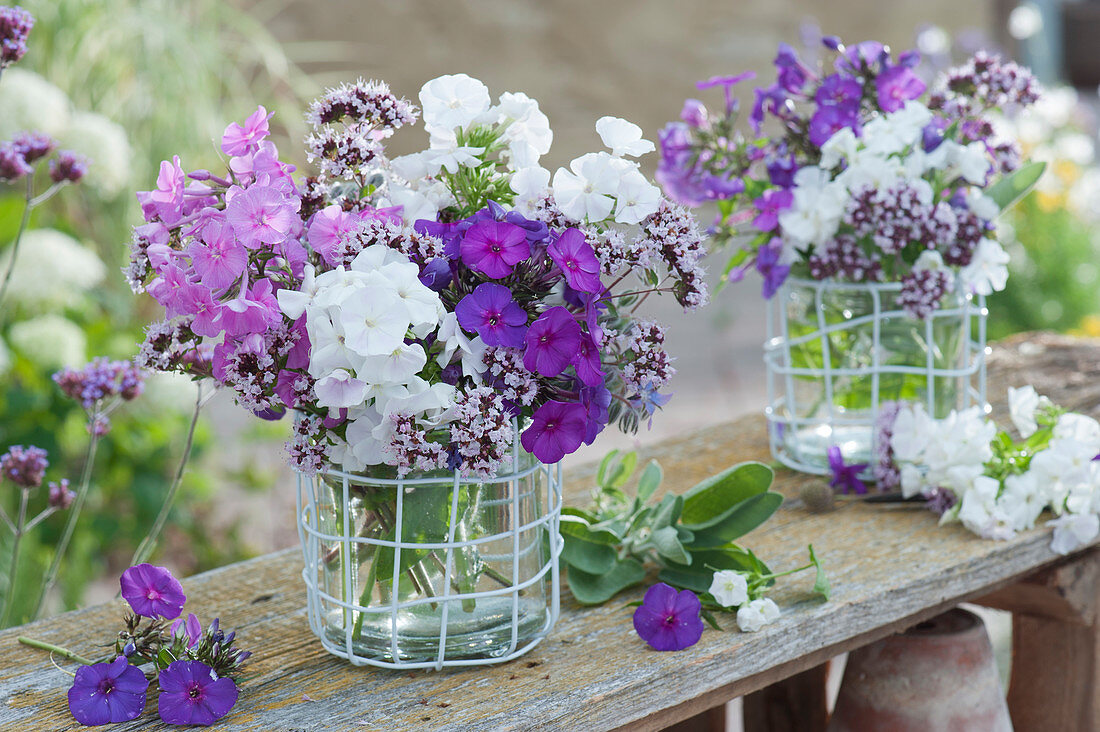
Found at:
(557, 429)
(845, 477)
(107, 693)
(770, 267)
(15, 26)
(576, 260)
(261, 214)
(727, 83)
(896, 85)
(551, 342)
(491, 312)
(24, 466)
(191, 629)
(152, 592)
(245, 139)
(669, 620)
(192, 693)
(493, 248)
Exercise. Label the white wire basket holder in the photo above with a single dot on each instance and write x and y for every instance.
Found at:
(836, 352)
(483, 590)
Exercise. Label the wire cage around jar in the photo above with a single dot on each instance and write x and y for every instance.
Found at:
(837, 352)
(432, 570)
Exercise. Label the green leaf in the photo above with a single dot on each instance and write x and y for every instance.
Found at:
(708, 616)
(667, 512)
(601, 471)
(588, 550)
(694, 578)
(650, 480)
(668, 545)
(821, 582)
(744, 517)
(579, 513)
(730, 557)
(622, 470)
(592, 589)
(711, 501)
(1011, 188)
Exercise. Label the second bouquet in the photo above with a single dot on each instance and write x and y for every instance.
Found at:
(445, 327)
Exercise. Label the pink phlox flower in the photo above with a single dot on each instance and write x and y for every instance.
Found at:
(218, 258)
(264, 162)
(251, 312)
(172, 289)
(199, 301)
(260, 214)
(166, 202)
(245, 139)
(330, 230)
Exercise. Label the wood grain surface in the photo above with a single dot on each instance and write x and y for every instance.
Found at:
(890, 567)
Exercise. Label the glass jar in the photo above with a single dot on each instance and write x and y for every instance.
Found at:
(837, 352)
(432, 569)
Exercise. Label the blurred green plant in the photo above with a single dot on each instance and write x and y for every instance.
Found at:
(127, 84)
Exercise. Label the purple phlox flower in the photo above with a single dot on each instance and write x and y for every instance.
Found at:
(264, 164)
(330, 230)
(250, 313)
(839, 90)
(781, 170)
(792, 74)
(694, 114)
(152, 591)
(245, 139)
(932, 134)
(199, 301)
(172, 289)
(491, 312)
(865, 54)
(190, 629)
(770, 205)
(845, 477)
(191, 693)
(649, 400)
(596, 401)
(34, 145)
(669, 620)
(557, 429)
(494, 247)
(720, 188)
(727, 83)
(576, 260)
(448, 233)
(60, 496)
(218, 258)
(896, 85)
(13, 165)
(910, 58)
(107, 693)
(587, 361)
(767, 100)
(737, 274)
(271, 414)
(828, 120)
(15, 26)
(24, 466)
(551, 342)
(678, 171)
(436, 274)
(68, 166)
(260, 214)
(769, 267)
(537, 231)
(832, 43)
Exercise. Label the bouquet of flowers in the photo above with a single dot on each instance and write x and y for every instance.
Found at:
(415, 312)
(995, 484)
(866, 178)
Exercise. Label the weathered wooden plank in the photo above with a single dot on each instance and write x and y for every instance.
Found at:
(795, 704)
(889, 568)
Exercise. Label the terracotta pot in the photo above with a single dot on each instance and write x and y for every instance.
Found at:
(938, 675)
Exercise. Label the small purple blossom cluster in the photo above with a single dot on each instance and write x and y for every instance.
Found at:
(194, 668)
(922, 290)
(18, 156)
(101, 379)
(24, 466)
(15, 26)
(861, 177)
(482, 430)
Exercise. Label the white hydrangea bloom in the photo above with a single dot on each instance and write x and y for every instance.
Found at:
(29, 102)
(49, 341)
(729, 588)
(107, 147)
(52, 271)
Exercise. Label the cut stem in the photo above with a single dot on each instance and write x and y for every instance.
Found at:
(20, 521)
(63, 652)
(145, 548)
(23, 222)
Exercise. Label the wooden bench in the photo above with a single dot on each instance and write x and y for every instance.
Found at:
(890, 568)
